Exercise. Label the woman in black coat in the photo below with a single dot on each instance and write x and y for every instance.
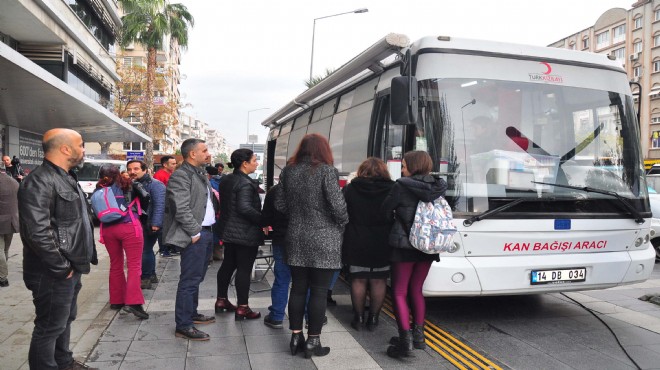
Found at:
(410, 266)
(365, 247)
(240, 227)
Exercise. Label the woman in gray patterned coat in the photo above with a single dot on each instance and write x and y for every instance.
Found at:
(317, 216)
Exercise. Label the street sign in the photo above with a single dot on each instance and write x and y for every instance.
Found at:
(138, 155)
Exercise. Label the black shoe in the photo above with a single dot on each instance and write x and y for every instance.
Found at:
(4, 283)
(358, 320)
(137, 310)
(203, 319)
(275, 324)
(403, 345)
(330, 302)
(325, 322)
(191, 334)
(116, 306)
(313, 347)
(145, 284)
(154, 279)
(77, 365)
(372, 321)
(297, 343)
(174, 252)
(418, 337)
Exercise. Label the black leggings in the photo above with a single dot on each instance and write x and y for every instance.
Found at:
(239, 258)
(317, 281)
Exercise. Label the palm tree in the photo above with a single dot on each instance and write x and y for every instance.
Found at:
(317, 79)
(148, 22)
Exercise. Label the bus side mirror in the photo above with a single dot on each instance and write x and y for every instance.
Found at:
(403, 100)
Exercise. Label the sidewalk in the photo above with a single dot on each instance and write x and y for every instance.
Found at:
(110, 339)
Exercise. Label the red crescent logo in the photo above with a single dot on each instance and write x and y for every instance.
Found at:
(547, 65)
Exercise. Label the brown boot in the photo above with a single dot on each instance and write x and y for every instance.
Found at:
(223, 305)
(246, 313)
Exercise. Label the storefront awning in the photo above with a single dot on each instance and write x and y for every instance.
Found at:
(34, 100)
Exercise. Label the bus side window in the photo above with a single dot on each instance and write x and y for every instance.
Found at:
(387, 138)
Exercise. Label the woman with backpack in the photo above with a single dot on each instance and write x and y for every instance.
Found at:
(410, 266)
(365, 249)
(240, 227)
(122, 237)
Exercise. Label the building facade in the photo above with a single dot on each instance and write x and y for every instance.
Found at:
(633, 37)
(57, 69)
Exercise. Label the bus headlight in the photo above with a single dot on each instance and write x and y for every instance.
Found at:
(647, 237)
(454, 248)
(638, 242)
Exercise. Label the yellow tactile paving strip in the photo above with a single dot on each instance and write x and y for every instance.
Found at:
(450, 348)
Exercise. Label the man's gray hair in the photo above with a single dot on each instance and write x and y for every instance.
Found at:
(188, 145)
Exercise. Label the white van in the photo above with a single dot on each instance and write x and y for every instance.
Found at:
(88, 174)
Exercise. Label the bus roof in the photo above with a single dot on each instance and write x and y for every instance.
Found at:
(370, 62)
(445, 43)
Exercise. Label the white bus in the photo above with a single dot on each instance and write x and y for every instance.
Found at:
(88, 174)
(539, 147)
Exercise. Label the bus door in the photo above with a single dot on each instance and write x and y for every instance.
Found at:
(386, 141)
(270, 163)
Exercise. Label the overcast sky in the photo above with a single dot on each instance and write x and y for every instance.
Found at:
(246, 55)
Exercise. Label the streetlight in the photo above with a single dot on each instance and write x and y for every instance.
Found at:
(311, 63)
(247, 138)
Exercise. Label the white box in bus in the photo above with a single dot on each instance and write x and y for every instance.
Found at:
(513, 168)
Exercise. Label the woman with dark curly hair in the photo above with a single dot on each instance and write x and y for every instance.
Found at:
(123, 238)
(366, 249)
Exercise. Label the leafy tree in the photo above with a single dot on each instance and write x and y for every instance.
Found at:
(221, 158)
(130, 101)
(148, 22)
(316, 79)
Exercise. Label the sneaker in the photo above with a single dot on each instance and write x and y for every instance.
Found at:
(275, 324)
(191, 334)
(137, 310)
(116, 306)
(4, 283)
(154, 279)
(165, 254)
(325, 322)
(145, 284)
(202, 319)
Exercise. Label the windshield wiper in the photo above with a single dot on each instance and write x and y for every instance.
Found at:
(626, 204)
(491, 212)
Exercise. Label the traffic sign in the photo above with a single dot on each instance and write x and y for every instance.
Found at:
(138, 155)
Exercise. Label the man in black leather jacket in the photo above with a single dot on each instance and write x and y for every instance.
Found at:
(58, 246)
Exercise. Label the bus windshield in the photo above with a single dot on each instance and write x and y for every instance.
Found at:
(495, 141)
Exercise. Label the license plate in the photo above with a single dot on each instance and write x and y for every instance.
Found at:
(559, 276)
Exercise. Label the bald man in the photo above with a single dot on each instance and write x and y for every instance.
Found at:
(13, 170)
(58, 246)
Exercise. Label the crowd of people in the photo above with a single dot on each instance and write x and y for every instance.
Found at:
(194, 210)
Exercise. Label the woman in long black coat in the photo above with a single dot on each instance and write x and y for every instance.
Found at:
(366, 249)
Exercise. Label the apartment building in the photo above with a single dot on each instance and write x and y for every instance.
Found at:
(57, 69)
(633, 37)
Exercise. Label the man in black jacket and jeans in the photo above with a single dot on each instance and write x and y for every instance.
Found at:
(58, 246)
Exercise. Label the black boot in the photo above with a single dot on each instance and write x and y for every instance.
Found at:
(313, 347)
(297, 343)
(418, 337)
(358, 321)
(403, 347)
(330, 301)
(372, 321)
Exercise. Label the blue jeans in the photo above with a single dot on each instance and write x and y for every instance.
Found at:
(148, 256)
(56, 308)
(194, 262)
(279, 292)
